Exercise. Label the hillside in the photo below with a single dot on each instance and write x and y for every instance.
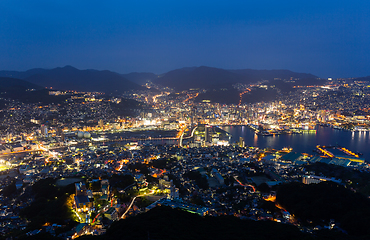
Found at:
(215, 78)
(257, 75)
(70, 78)
(20, 74)
(38, 96)
(140, 78)
(364, 79)
(200, 77)
(24, 91)
(166, 223)
(8, 84)
(316, 204)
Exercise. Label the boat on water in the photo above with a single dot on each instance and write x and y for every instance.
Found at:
(265, 133)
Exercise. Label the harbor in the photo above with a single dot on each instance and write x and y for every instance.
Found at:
(356, 142)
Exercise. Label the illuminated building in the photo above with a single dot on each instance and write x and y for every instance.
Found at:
(309, 179)
(44, 130)
(241, 142)
(82, 201)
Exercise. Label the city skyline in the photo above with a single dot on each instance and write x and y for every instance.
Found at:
(144, 119)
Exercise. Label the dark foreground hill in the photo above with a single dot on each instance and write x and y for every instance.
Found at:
(316, 204)
(167, 223)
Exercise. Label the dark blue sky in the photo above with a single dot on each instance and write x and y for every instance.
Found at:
(325, 38)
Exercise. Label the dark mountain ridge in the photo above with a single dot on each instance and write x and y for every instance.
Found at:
(365, 79)
(70, 78)
(281, 74)
(200, 77)
(12, 84)
(140, 77)
(20, 74)
(24, 91)
(208, 77)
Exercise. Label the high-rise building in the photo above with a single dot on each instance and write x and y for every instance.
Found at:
(206, 133)
(101, 123)
(241, 142)
(44, 130)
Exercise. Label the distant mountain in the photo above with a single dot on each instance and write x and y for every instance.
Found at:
(12, 84)
(231, 96)
(199, 77)
(25, 91)
(208, 77)
(257, 75)
(70, 78)
(365, 79)
(22, 75)
(140, 78)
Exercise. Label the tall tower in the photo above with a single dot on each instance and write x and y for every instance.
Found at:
(206, 133)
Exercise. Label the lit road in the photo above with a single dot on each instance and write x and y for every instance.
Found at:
(241, 95)
(245, 185)
(182, 136)
(132, 202)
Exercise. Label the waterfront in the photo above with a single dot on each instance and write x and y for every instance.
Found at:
(306, 142)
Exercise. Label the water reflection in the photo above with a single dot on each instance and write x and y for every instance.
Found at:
(255, 142)
(355, 141)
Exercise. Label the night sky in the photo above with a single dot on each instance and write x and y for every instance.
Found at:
(325, 38)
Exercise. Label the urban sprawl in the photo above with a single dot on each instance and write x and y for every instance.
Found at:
(168, 150)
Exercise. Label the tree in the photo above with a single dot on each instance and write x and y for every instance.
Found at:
(263, 187)
(10, 189)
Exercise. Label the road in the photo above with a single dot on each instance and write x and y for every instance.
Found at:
(245, 185)
(132, 202)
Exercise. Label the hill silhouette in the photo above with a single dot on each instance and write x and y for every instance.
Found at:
(15, 85)
(70, 78)
(281, 74)
(209, 77)
(364, 79)
(20, 74)
(231, 96)
(140, 77)
(26, 92)
(325, 201)
(200, 77)
(167, 223)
